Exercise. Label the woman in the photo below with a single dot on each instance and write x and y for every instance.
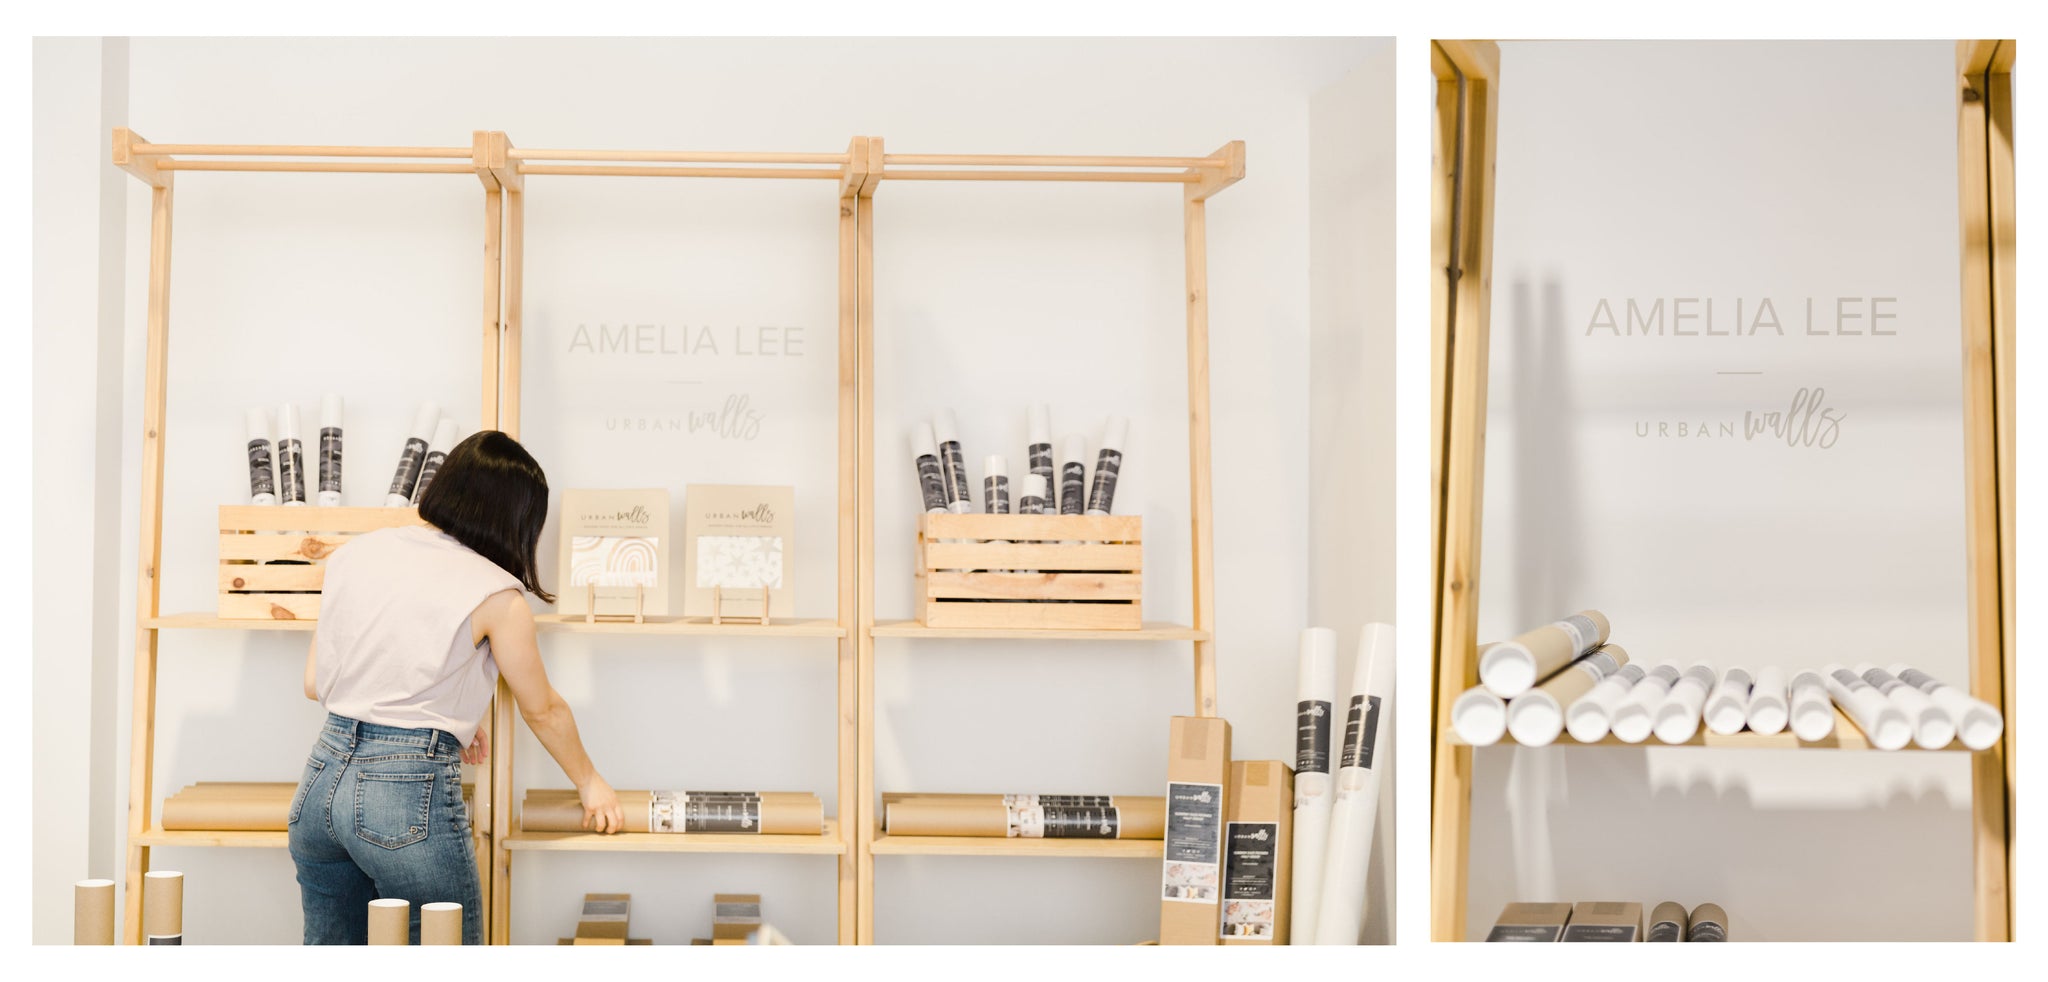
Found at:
(415, 625)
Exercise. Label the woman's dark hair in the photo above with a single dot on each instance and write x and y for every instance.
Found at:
(491, 496)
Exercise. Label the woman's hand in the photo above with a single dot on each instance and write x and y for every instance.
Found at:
(601, 811)
(478, 749)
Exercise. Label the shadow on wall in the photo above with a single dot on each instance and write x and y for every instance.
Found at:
(1765, 873)
(1542, 478)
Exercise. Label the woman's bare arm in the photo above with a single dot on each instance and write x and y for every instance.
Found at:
(505, 619)
(312, 648)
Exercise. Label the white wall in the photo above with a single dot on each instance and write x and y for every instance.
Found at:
(984, 296)
(1727, 171)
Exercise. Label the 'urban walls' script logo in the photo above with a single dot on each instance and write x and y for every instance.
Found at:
(688, 409)
(1809, 422)
(760, 514)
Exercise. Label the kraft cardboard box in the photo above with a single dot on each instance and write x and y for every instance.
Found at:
(1531, 922)
(1258, 853)
(1603, 920)
(734, 916)
(1191, 877)
(604, 918)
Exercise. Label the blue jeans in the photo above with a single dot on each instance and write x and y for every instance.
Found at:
(379, 814)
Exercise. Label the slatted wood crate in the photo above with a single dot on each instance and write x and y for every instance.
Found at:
(273, 558)
(1084, 572)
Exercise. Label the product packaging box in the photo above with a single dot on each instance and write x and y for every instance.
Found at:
(1601, 920)
(1258, 853)
(1191, 878)
(604, 918)
(1531, 922)
(734, 916)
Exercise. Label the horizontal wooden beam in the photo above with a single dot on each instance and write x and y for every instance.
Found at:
(264, 150)
(1114, 177)
(677, 156)
(315, 166)
(1206, 183)
(612, 170)
(1043, 160)
(1472, 59)
(130, 156)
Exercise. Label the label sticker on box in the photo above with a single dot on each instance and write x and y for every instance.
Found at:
(1194, 843)
(1249, 907)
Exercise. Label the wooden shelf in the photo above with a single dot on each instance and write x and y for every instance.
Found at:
(826, 844)
(215, 622)
(1845, 737)
(955, 845)
(699, 626)
(1152, 631)
(207, 838)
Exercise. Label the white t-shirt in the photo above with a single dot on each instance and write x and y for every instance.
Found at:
(393, 645)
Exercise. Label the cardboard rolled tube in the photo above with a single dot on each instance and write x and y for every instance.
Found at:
(790, 813)
(1678, 716)
(1813, 710)
(1109, 463)
(1667, 922)
(1342, 911)
(262, 469)
(406, 476)
(240, 811)
(329, 494)
(952, 464)
(1314, 793)
(1513, 667)
(163, 907)
(1709, 923)
(1932, 729)
(931, 477)
(441, 923)
(291, 457)
(989, 816)
(390, 921)
(1479, 717)
(1978, 723)
(1536, 717)
(1073, 476)
(1727, 708)
(445, 433)
(1587, 718)
(1767, 711)
(92, 916)
(1884, 724)
(1635, 715)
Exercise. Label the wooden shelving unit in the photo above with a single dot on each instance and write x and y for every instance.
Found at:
(1467, 100)
(1199, 178)
(156, 165)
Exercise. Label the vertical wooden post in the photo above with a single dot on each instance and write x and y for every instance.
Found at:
(864, 315)
(142, 735)
(493, 328)
(850, 292)
(1201, 539)
(1985, 184)
(1466, 229)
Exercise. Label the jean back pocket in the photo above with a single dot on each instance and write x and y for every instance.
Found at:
(392, 809)
(314, 767)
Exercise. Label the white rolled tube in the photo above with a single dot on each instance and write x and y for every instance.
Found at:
(262, 470)
(1883, 724)
(1727, 708)
(1678, 716)
(1073, 476)
(1514, 667)
(1109, 463)
(1038, 453)
(1358, 789)
(1766, 711)
(1479, 717)
(1587, 718)
(1536, 717)
(1978, 723)
(1932, 729)
(953, 464)
(1635, 716)
(1031, 496)
(931, 477)
(406, 475)
(437, 454)
(329, 494)
(1314, 793)
(1813, 710)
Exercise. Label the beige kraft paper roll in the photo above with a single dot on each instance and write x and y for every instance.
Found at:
(163, 907)
(985, 816)
(251, 810)
(782, 812)
(1536, 717)
(92, 920)
(441, 923)
(1513, 667)
(390, 921)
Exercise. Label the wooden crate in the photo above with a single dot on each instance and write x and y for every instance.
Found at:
(273, 558)
(1087, 571)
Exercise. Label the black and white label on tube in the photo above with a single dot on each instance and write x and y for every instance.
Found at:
(1850, 680)
(1102, 494)
(428, 468)
(261, 481)
(1599, 665)
(954, 470)
(996, 494)
(734, 912)
(291, 474)
(410, 459)
(720, 814)
(932, 481)
(176, 939)
(1708, 931)
(1599, 932)
(1073, 487)
(1076, 821)
(1665, 931)
(1361, 732)
(330, 459)
(1194, 843)
(1076, 800)
(1921, 680)
(1584, 633)
(1523, 932)
(1312, 737)
(1882, 680)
